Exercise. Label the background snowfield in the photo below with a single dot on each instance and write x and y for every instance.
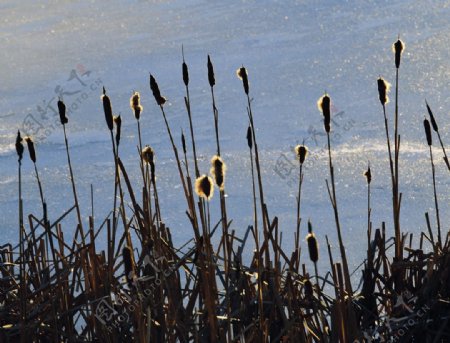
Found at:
(293, 50)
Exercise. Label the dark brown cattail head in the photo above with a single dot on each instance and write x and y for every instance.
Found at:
(211, 79)
(383, 90)
(249, 137)
(160, 100)
(218, 170)
(398, 48)
(62, 112)
(135, 104)
(204, 187)
(368, 175)
(243, 75)
(19, 146)
(148, 154)
(183, 142)
(301, 151)
(118, 122)
(426, 125)
(308, 290)
(313, 246)
(324, 104)
(30, 145)
(433, 121)
(128, 265)
(107, 108)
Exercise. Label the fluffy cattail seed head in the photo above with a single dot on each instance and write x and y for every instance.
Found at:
(211, 78)
(204, 187)
(107, 108)
(324, 104)
(426, 125)
(160, 100)
(433, 121)
(243, 75)
(218, 171)
(383, 90)
(301, 151)
(249, 137)
(135, 104)
(30, 145)
(118, 122)
(62, 112)
(398, 48)
(313, 246)
(368, 175)
(128, 265)
(148, 154)
(19, 146)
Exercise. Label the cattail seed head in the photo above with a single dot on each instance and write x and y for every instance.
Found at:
(218, 171)
(107, 108)
(148, 154)
(249, 137)
(128, 265)
(308, 289)
(301, 151)
(185, 74)
(160, 100)
(383, 90)
(204, 187)
(118, 122)
(183, 142)
(135, 104)
(211, 79)
(243, 75)
(324, 104)
(398, 48)
(30, 145)
(19, 146)
(62, 112)
(313, 246)
(368, 175)
(433, 121)
(426, 125)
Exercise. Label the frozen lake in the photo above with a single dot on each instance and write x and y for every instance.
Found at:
(293, 50)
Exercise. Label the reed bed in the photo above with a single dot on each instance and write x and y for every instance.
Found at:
(142, 288)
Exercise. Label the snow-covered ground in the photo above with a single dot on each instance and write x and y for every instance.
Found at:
(294, 50)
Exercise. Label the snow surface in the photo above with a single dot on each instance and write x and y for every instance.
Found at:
(294, 50)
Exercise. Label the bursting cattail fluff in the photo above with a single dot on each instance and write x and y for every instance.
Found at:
(249, 137)
(118, 122)
(433, 121)
(128, 265)
(426, 125)
(301, 151)
(324, 106)
(218, 171)
(398, 48)
(107, 108)
(135, 104)
(204, 187)
(383, 90)
(148, 154)
(243, 75)
(62, 112)
(19, 146)
(160, 100)
(313, 246)
(211, 78)
(30, 145)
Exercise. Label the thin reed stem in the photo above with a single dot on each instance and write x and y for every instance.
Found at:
(436, 204)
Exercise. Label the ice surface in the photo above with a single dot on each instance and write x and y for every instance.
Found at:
(294, 50)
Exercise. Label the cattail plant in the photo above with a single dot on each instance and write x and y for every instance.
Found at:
(427, 127)
(218, 170)
(368, 175)
(136, 107)
(301, 151)
(313, 249)
(324, 105)
(118, 121)
(212, 82)
(64, 120)
(129, 265)
(32, 152)
(436, 129)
